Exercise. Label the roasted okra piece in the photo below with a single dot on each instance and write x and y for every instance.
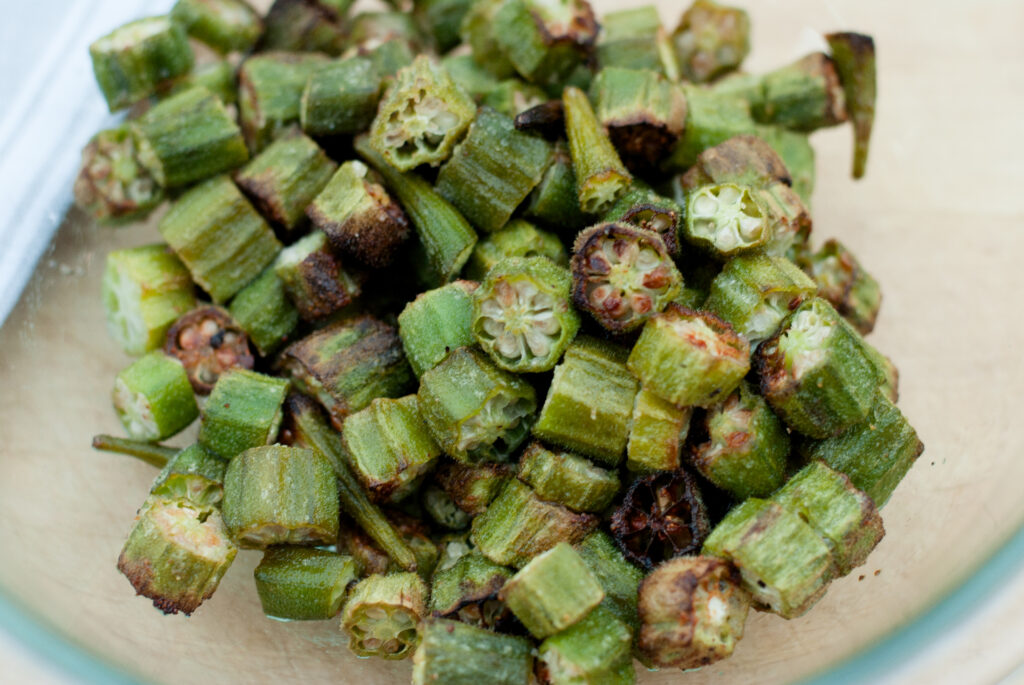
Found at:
(746, 447)
(692, 612)
(689, 358)
(589, 406)
(804, 96)
(657, 434)
(634, 39)
(284, 178)
(134, 61)
(442, 20)
(264, 311)
(644, 208)
(304, 26)
(192, 473)
(208, 342)
(555, 202)
(600, 175)
(153, 397)
(389, 447)
(435, 323)
(711, 39)
(224, 25)
(476, 411)
(341, 98)
(468, 591)
(217, 76)
(518, 238)
(784, 564)
(275, 495)
(220, 237)
(473, 487)
(726, 219)
(546, 41)
(479, 30)
(518, 526)
(145, 289)
(113, 186)
(244, 411)
(176, 553)
(314, 277)
(567, 479)
(303, 584)
(853, 55)
(473, 78)
(270, 87)
(814, 372)
(597, 649)
(552, 592)
(492, 170)
(381, 615)
(844, 283)
(512, 97)
(618, 578)
(459, 654)
(711, 118)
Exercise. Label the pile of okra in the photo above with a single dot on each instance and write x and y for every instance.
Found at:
(503, 327)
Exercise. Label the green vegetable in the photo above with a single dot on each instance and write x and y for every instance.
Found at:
(657, 434)
(382, 613)
(314, 277)
(303, 584)
(243, 411)
(435, 323)
(600, 175)
(270, 87)
(567, 479)
(458, 654)
(518, 238)
(341, 98)
(711, 39)
(468, 591)
(224, 25)
(153, 397)
(112, 185)
(304, 26)
(594, 650)
(265, 312)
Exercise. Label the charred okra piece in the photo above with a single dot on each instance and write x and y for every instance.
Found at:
(803, 96)
(458, 654)
(657, 434)
(726, 219)
(435, 323)
(112, 185)
(304, 26)
(784, 564)
(590, 402)
(303, 584)
(618, 578)
(546, 41)
(341, 98)
(421, 117)
(442, 19)
(512, 97)
(518, 238)
(382, 613)
(222, 240)
(389, 447)
(746, 448)
(145, 289)
(567, 479)
(265, 312)
(600, 175)
(853, 55)
(711, 118)
(711, 39)
(314, 277)
(692, 612)
(689, 358)
(555, 202)
(552, 592)
(440, 507)
(153, 397)
(468, 591)
(276, 495)
(176, 553)
(270, 87)
(284, 178)
(244, 411)
(492, 170)
(522, 314)
(135, 60)
(754, 293)
(644, 208)
(208, 342)
(474, 487)
(814, 372)
(518, 526)
(597, 649)
(479, 30)
(476, 411)
(622, 275)
(844, 283)
(224, 25)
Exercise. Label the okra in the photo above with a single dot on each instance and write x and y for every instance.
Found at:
(711, 39)
(145, 289)
(341, 98)
(632, 38)
(473, 78)
(304, 26)
(303, 584)
(459, 654)
(224, 25)
(600, 175)
(492, 170)
(112, 185)
(545, 41)
(846, 285)
(192, 473)
(370, 31)
(217, 76)
(589, 405)
(555, 202)
(594, 650)
(208, 342)
(153, 397)
(314, 277)
(795, 150)
(518, 238)
(546, 119)
(151, 453)
(220, 237)
(618, 578)
(440, 507)
(711, 118)
(442, 20)
(265, 312)
(468, 591)
(476, 411)
(382, 613)
(479, 30)
(435, 323)
(644, 208)
(804, 96)
(567, 479)
(512, 97)
(853, 55)
(657, 434)
(271, 85)
(473, 487)
(726, 219)
(244, 411)
(134, 61)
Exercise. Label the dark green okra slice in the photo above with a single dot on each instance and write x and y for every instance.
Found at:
(657, 434)
(270, 87)
(134, 61)
(512, 97)
(644, 208)
(314, 277)
(804, 96)
(341, 98)
(441, 20)
(468, 590)
(746, 447)
(455, 653)
(220, 237)
(243, 411)
(265, 312)
(711, 118)
(522, 314)
(555, 202)
(853, 55)
(304, 26)
(112, 185)
(552, 592)
(618, 578)
(815, 373)
(275, 495)
(876, 453)
(492, 170)
(302, 583)
(589, 406)
(473, 487)
(597, 649)
(600, 175)
(224, 25)
(726, 219)
(546, 41)
(382, 613)
(440, 507)
(518, 526)
(435, 323)
(479, 31)
(843, 282)
(347, 364)
(421, 117)
(476, 411)
(711, 39)
(176, 553)
(689, 358)
(473, 78)
(145, 290)
(284, 178)
(784, 564)
(389, 447)
(567, 479)
(692, 612)
(518, 238)
(634, 39)
(153, 397)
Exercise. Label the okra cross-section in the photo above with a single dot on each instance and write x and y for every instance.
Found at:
(522, 314)
(382, 614)
(567, 479)
(436, 322)
(303, 583)
(153, 397)
(458, 654)
(314, 277)
(468, 591)
(243, 411)
(726, 219)
(112, 184)
(208, 342)
(711, 39)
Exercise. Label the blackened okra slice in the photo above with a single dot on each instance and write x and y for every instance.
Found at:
(270, 87)
(435, 323)
(853, 55)
(711, 39)
(153, 397)
(476, 411)
(304, 26)
(265, 312)
(726, 219)
(459, 654)
(644, 208)
(804, 96)
(468, 590)
(208, 342)
(555, 202)
(224, 25)
(314, 277)
(567, 479)
(657, 434)
(382, 613)
(618, 578)
(220, 237)
(594, 650)
(546, 41)
(134, 61)
(112, 185)
(244, 411)
(600, 175)
(843, 281)
(302, 583)
(518, 238)
(473, 487)
(341, 98)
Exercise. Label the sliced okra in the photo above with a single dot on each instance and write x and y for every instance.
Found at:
(711, 39)
(304, 26)
(518, 238)
(244, 411)
(270, 88)
(630, 39)
(600, 175)
(555, 202)
(853, 55)
(468, 591)
(567, 479)
(112, 185)
(546, 41)
(440, 507)
(153, 397)
(473, 487)
(341, 98)
(208, 342)
(435, 323)
(597, 649)
(512, 97)
(302, 583)
(381, 615)
(657, 434)
(844, 282)
(314, 277)
(224, 25)
(441, 20)
(473, 78)
(200, 472)
(265, 312)
(459, 654)
(479, 31)
(804, 96)
(711, 118)
(794, 147)
(644, 208)
(726, 219)
(618, 578)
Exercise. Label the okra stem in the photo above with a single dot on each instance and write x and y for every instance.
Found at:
(152, 454)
